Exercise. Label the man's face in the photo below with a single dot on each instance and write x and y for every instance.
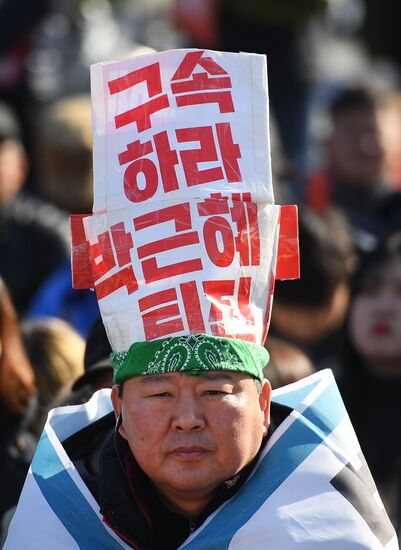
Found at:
(191, 433)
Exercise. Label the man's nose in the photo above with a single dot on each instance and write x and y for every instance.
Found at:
(187, 414)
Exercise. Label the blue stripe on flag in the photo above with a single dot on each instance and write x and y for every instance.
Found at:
(295, 397)
(67, 501)
(287, 453)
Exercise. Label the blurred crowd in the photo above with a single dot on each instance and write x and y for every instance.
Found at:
(334, 70)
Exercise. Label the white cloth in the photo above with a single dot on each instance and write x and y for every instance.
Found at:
(310, 489)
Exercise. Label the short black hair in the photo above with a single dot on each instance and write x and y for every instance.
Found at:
(351, 99)
(325, 258)
(387, 250)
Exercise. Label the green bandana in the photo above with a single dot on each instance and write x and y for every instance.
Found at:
(194, 354)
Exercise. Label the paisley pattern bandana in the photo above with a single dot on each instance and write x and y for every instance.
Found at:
(194, 354)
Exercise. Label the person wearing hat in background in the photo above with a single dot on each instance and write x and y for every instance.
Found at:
(64, 152)
(190, 449)
(55, 351)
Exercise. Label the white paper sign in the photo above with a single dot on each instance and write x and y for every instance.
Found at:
(184, 234)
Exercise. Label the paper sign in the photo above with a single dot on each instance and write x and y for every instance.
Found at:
(184, 233)
(182, 123)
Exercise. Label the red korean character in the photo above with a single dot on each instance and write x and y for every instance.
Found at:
(200, 83)
(230, 152)
(165, 318)
(222, 294)
(206, 153)
(181, 216)
(167, 158)
(103, 261)
(219, 240)
(102, 256)
(219, 291)
(135, 153)
(125, 277)
(192, 307)
(244, 294)
(141, 114)
(217, 232)
(247, 242)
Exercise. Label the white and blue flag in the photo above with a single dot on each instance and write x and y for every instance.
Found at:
(310, 489)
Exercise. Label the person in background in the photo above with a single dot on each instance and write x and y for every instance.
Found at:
(353, 178)
(371, 367)
(34, 237)
(56, 353)
(64, 150)
(20, 20)
(50, 353)
(17, 403)
(390, 125)
(65, 153)
(283, 32)
(309, 312)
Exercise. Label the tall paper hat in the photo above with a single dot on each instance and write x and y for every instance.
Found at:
(185, 242)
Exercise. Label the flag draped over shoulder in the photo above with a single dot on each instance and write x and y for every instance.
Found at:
(311, 487)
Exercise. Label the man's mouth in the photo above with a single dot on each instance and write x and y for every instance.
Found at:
(189, 453)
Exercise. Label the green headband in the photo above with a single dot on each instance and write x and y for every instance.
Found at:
(192, 354)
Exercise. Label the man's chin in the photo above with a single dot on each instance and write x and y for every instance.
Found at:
(191, 480)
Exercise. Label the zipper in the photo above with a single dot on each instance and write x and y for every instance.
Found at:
(192, 525)
(122, 537)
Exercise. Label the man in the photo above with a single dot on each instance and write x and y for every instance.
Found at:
(195, 454)
(186, 439)
(354, 179)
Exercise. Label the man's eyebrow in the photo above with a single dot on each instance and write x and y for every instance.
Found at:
(167, 377)
(155, 378)
(218, 375)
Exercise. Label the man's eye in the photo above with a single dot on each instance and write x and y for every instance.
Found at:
(215, 392)
(160, 394)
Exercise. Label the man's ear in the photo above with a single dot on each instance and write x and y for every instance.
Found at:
(264, 401)
(117, 406)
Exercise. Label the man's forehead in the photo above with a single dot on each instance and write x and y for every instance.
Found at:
(173, 377)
